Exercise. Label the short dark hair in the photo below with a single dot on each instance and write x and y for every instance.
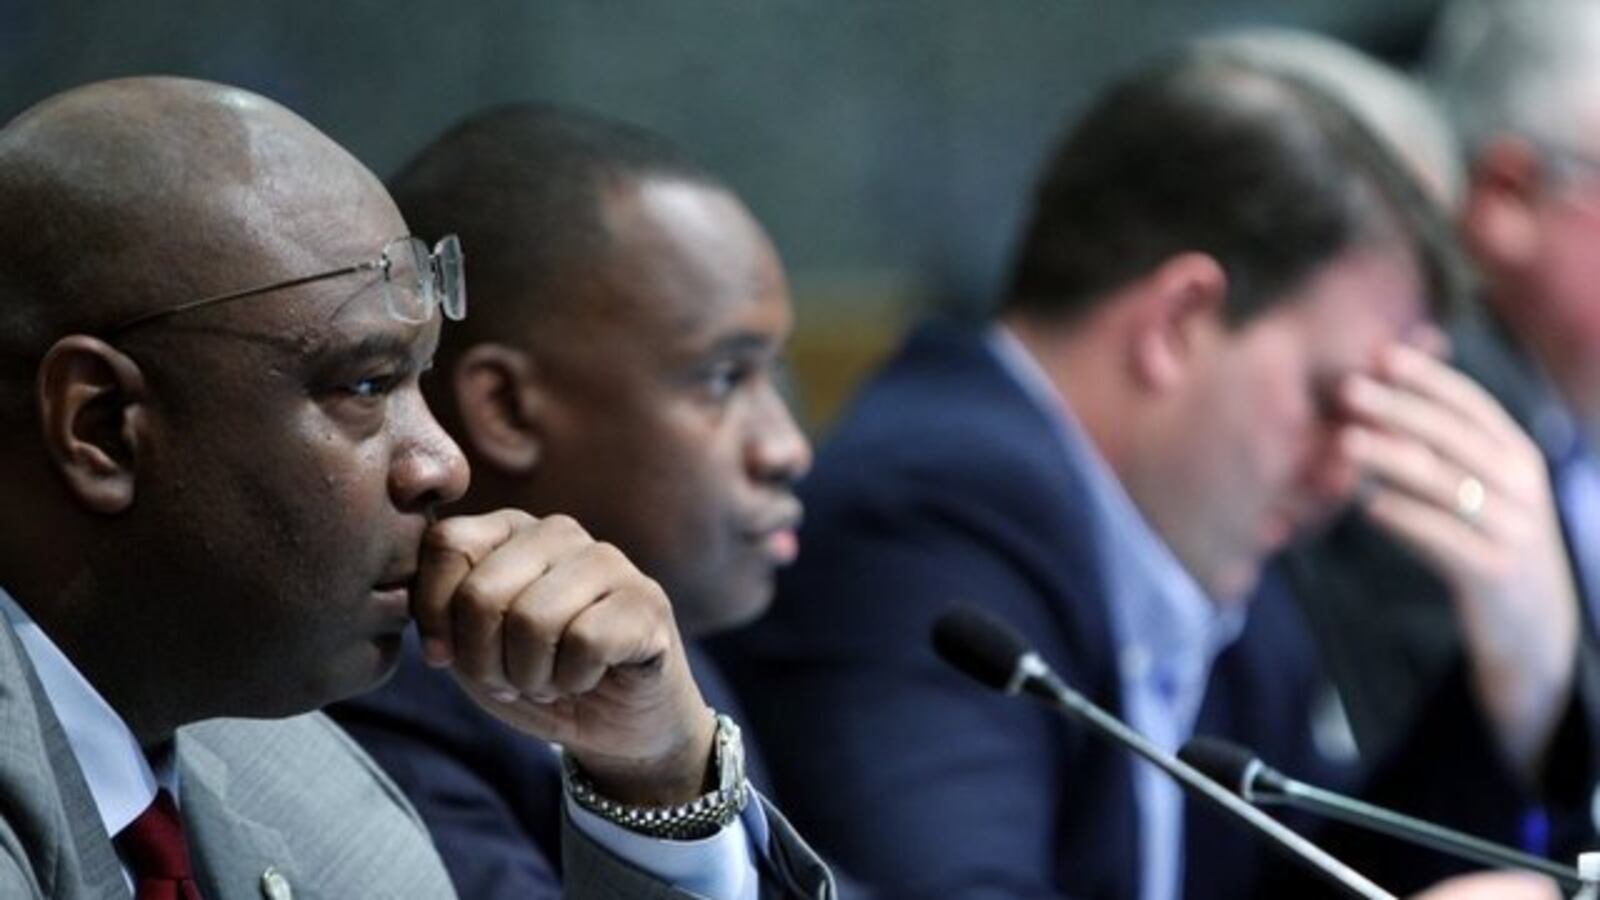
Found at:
(1204, 151)
(522, 185)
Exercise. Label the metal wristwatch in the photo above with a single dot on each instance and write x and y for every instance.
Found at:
(701, 817)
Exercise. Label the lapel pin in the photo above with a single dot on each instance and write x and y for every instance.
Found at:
(274, 886)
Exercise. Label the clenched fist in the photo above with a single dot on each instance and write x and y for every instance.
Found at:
(561, 637)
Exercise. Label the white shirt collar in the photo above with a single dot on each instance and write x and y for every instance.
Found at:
(120, 778)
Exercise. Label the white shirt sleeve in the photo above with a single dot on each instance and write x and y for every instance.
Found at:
(722, 866)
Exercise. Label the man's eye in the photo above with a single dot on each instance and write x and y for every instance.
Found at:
(372, 386)
(721, 379)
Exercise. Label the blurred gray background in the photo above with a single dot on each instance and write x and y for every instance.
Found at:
(888, 146)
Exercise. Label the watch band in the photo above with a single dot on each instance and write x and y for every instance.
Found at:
(701, 817)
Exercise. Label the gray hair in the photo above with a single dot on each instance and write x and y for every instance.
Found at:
(1530, 68)
(1387, 101)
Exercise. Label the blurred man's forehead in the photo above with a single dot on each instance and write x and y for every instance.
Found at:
(1370, 298)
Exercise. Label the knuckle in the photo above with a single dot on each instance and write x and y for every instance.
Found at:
(582, 651)
(584, 640)
(608, 553)
(477, 598)
(657, 592)
(563, 525)
(648, 593)
(535, 624)
(518, 520)
(443, 535)
(1416, 458)
(660, 610)
(459, 536)
(523, 626)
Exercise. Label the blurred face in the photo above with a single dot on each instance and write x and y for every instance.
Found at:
(1554, 293)
(293, 471)
(664, 432)
(1250, 458)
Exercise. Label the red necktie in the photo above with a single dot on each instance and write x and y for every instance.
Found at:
(156, 851)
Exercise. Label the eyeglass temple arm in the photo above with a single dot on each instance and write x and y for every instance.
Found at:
(247, 292)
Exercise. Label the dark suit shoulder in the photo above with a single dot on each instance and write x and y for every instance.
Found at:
(944, 484)
(942, 414)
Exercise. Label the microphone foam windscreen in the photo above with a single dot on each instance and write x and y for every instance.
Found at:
(1222, 761)
(979, 644)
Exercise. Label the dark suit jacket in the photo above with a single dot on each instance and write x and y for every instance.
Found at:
(945, 484)
(490, 795)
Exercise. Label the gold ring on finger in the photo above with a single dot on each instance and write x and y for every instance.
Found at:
(1470, 499)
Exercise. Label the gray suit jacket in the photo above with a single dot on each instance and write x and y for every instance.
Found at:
(267, 804)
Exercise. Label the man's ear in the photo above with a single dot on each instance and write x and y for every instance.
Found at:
(497, 400)
(1174, 307)
(93, 409)
(1500, 218)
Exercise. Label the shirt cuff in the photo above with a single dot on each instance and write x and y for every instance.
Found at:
(722, 866)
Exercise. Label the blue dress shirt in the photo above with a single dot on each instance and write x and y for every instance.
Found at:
(1168, 632)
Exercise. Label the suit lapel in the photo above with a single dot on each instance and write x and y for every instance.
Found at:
(231, 852)
(55, 814)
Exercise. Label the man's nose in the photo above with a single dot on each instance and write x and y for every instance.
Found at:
(776, 450)
(428, 469)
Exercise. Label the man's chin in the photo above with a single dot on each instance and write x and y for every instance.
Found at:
(1233, 585)
(388, 648)
(371, 667)
(729, 611)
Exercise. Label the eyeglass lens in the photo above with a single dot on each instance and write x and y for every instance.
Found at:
(415, 280)
(449, 265)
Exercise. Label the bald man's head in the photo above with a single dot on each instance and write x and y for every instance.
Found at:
(204, 503)
(131, 195)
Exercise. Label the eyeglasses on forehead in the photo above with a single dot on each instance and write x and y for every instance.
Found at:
(415, 280)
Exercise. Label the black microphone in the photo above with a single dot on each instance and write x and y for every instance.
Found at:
(994, 654)
(1259, 783)
(991, 652)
